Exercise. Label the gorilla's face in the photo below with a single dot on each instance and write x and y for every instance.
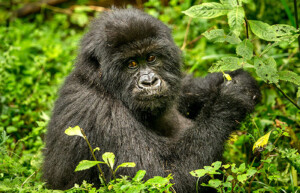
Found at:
(143, 75)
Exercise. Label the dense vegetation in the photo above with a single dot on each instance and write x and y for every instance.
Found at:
(38, 51)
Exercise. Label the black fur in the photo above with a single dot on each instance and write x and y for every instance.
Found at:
(181, 130)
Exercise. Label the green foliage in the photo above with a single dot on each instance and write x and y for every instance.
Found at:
(235, 179)
(266, 68)
(245, 49)
(155, 184)
(38, 51)
(207, 10)
(86, 164)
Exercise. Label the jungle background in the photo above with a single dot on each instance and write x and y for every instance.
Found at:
(38, 45)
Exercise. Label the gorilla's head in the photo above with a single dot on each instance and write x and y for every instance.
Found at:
(136, 56)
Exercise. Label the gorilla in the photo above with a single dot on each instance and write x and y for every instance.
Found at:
(128, 93)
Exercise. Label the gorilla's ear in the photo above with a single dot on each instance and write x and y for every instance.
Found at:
(87, 55)
(87, 63)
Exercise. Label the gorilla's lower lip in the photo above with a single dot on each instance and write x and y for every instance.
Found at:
(150, 97)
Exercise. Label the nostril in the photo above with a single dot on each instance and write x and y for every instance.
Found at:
(154, 81)
(148, 81)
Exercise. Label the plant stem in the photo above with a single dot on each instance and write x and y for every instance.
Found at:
(186, 33)
(297, 23)
(259, 167)
(112, 171)
(286, 96)
(91, 149)
(247, 27)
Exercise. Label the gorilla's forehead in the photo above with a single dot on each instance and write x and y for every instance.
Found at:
(141, 48)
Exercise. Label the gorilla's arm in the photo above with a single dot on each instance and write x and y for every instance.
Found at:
(223, 107)
(196, 92)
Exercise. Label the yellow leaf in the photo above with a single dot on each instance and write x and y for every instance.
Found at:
(71, 131)
(227, 76)
(261, 142)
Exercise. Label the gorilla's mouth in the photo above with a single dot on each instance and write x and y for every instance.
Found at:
(151, 93)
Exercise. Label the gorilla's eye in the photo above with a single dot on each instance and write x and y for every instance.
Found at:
(151, 58)
(132, 64)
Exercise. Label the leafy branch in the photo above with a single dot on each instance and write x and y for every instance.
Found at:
(264, 65)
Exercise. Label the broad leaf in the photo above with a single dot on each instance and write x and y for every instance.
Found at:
(245, 49)
(215, 183)
(219, 36)
(139, 175)
(157, 180)
(285, 32)
(71, 131)
(86, 164)
(289, 76)
(126, 165)
(217, 165)
(109, 159)
(215, 35)
(231, 3)
(261, 142)
(298, 92)
(207, 10)
(283, 29)
(242, 178)
(198, 173)
(251, 171)
(227, 64)
(262, 30)
(232, 39)
(236, 20)
(266, 69)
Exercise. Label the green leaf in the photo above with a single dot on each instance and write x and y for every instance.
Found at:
(266, 69)
(232, 39)
(226, 166)
(109, 159)
(215, 183)
(139, 175)
(86, 164)
(217, 165)
(245, 49)
(236, 20)
(298, 93)
(262, 30)
(289, 76)
(283, 29)
(198, 173)
(269, 47)
(227, 64)
(242, 167)
(219, 36)
(227, 184)
(80, 19)
(207, 10)
(242, 178)
(157, 180)
(216, 35)
(96, 149)
(71, 131)
(231, 3)
(126, 165)
(11, 129)
(251, 172)
(229, 178)
(285, 32)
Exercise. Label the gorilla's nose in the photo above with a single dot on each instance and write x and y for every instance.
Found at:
(149, 80)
